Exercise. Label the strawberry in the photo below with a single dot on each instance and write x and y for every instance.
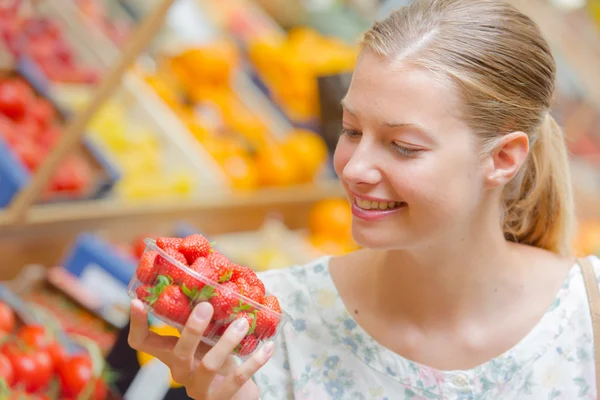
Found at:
(247, 346)
(221, 329)
(142, 292)
(221, 265)
(146, 271)
(225, 300)
(266, 324)
(202, 267)
(173, 304)
(272, 303)
(249, 275)
(168, 243)
(251, 292)
(193, 247)
(165, 267)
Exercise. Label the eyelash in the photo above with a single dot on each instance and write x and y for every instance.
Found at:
(403, 151)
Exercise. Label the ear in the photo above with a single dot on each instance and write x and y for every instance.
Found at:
(507, 159)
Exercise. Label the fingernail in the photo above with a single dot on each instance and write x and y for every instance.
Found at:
(240, 325)
(202, 312)
(267, 349)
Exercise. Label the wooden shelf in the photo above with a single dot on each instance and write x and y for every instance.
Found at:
(217, 214)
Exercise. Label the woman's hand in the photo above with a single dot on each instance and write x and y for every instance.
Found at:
(208, 373)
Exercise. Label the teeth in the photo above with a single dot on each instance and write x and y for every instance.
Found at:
(376, 205)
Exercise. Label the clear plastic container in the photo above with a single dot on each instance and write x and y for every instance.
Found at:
(170, 290)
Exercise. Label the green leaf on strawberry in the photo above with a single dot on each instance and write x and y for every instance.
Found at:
(226, 277)
(191, 293)
(207, 293)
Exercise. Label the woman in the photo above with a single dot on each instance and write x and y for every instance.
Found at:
(460, 191)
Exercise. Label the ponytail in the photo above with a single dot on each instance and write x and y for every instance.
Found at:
(542, 212)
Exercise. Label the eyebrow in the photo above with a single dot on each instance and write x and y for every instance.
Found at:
(394, 124)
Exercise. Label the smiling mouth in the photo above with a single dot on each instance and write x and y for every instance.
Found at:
(378, 205)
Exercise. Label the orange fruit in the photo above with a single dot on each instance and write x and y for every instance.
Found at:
(274, 167)
(331, 217)
(308, 150)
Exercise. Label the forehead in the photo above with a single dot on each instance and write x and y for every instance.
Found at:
(384, 90)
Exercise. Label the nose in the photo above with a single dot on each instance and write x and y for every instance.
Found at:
(362, 167)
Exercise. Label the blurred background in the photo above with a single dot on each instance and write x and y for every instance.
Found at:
(224, 125)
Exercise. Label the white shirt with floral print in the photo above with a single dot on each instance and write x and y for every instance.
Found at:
(324, 354)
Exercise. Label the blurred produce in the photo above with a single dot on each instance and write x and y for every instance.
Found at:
(147, 171)
(30, 126)
(588, 237)
(41, 40)
(98, 13)
(37, 361)
(196, 84)
(290, 66)
(330, 227)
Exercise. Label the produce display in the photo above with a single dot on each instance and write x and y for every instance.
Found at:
(42, 41)
(330, 227)
(98, 13)
(37, 362)
(148, 166)
(196, 84)
(30, 127)
(289, 67)
(176, 274)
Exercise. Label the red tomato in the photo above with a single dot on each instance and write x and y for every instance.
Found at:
(57, 354)
(34, 336)
(42, 112)
(7, 318)
(32, 369)
(74, 374)
(6, 370)
(15, 97)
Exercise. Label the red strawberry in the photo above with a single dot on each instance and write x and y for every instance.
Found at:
(272, 303)
(221, 329)
(142, 292)
(250, 277)
(225, 300)
(146, 271)
(203, 267)
(251, 292)
(222, 265)
(247, 345)
(168, 243)
(164, 267)
(266, 324)
(173, 304)
(193, 247)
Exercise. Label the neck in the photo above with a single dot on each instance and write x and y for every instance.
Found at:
(462, 279)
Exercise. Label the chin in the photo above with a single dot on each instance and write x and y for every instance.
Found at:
(381, 238)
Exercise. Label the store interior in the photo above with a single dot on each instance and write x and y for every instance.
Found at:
(122, 120)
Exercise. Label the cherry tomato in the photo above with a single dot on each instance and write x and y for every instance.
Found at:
(32, 369)
(57, 354)
(6, 370)
(74, 374)
(7, 318)
(15, 97)
(34, 336)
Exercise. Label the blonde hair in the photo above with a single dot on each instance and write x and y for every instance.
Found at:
(497, 58)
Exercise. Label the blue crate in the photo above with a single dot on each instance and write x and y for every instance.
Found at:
(91, 251)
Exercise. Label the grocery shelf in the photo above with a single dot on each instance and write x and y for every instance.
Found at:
(216, 213)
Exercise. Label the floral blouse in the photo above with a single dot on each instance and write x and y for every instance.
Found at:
(324, 354)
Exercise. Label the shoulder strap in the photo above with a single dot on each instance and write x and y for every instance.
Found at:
(593, 294)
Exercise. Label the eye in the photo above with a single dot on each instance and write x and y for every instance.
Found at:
(350, 133)
(406, 152)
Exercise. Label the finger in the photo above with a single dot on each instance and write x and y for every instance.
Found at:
(216, 357)
(185, 350)
(234, 382)
(142, 339)
(138, 331)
